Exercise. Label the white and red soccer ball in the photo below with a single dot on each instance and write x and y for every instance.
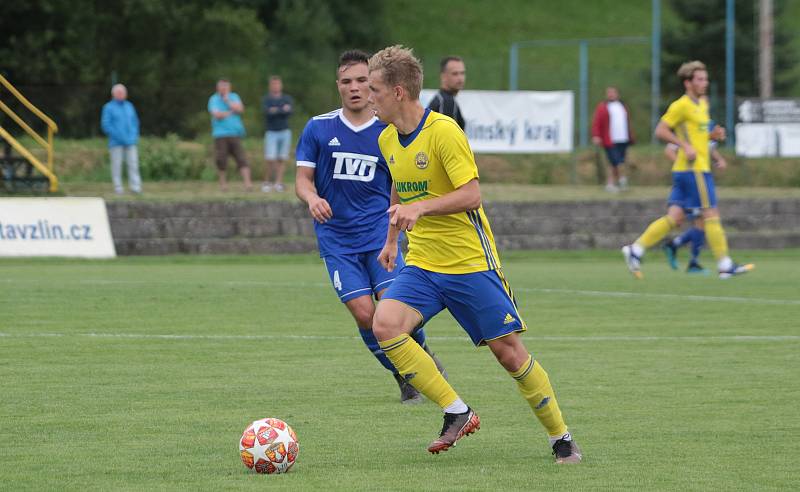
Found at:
(269, 446)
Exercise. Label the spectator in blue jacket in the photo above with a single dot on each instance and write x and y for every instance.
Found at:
(120, 123)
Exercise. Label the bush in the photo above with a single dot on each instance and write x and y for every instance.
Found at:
(169, 159)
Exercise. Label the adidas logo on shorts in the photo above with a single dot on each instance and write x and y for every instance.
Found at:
(334, 142)
(509, 319)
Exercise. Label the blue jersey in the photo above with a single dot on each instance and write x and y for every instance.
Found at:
(351, 174)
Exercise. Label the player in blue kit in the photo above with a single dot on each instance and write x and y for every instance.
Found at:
(345, 181)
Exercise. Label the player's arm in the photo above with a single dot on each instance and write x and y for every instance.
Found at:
(306, 190)
(718, 160)
(665, 133)
(673, 118)
(466, 197)
(388, 255)
(671, 151)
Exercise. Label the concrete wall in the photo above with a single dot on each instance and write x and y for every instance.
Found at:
(148, 228)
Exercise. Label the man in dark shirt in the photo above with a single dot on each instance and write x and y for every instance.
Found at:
(452, 75)
(277, 108)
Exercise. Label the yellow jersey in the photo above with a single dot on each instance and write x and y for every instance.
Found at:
(430, 162)
(689, 120)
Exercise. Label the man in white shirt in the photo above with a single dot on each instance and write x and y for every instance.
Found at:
(611, 129)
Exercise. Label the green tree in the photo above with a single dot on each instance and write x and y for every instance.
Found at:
(307, 37)
(64, 53)
(697, 32)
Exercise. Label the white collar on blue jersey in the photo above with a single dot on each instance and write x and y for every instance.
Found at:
(353, 127)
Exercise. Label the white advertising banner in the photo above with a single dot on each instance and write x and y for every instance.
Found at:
(768, 139)
(521, 122)
(75, 227)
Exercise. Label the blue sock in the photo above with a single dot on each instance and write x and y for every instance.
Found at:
(419, 336)
(372, 344)
(698, 240)
(682, 239)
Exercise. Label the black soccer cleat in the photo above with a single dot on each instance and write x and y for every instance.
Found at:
(456, 426)
(566, 452)
(408, 393)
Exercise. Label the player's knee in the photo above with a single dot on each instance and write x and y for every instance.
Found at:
(364, 318)
(384, 325)
(677, 219)
(509, 352)
(510, 360)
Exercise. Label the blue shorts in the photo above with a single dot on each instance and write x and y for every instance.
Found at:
(691, 193)
(616, 153)
(481, 302)
(276, 145)
(360, 274)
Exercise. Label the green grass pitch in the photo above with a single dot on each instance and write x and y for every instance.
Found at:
(141, 373)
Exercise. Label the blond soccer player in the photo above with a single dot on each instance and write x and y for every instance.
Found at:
(685, 124)
(452, 261)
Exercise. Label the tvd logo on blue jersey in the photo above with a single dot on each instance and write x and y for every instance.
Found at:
(354, 167)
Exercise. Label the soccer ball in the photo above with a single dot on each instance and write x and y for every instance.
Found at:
(269, 446)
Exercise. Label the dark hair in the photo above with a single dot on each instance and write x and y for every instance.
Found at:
(352, 57)
(446, 60)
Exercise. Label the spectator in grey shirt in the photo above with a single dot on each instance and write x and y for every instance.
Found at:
(277, 108)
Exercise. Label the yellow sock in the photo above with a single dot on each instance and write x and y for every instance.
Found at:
(533, 383)
(414, 364)
(715, 235)
(656, 231)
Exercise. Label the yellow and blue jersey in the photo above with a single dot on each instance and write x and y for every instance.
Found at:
(690, 120)
(432, 161)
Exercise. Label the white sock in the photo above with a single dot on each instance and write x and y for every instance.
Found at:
(637, 249)
(566, 437)
(725, 264)
(457, 406)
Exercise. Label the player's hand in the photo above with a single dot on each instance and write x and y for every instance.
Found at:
(320, 209)
(388, 256)
(691, 154)
(721, 164)
(404, 216)
(718, 133)
(597, 140)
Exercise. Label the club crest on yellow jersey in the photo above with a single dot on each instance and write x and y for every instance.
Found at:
(421, 160)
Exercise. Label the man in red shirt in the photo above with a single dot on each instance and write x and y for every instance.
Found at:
(611, 129)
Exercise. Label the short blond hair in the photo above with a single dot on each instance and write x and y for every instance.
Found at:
(687, 70)
(399, 67)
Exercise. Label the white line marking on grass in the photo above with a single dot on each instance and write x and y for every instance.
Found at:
(622, 338)
(319, 285)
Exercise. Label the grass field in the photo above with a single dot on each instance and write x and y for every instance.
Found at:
(141, 373)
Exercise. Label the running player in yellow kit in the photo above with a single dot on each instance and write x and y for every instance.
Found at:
(452, 261)
(685, 124)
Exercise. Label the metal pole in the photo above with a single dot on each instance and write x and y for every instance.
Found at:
(655, 70)
(513, 67)
(766, 39)
(730, 70)
(583, 90)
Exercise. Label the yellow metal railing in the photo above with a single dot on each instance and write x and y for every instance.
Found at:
(47, 144)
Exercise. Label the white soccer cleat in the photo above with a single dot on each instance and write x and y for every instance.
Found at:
(736, 270)
(634, 262)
